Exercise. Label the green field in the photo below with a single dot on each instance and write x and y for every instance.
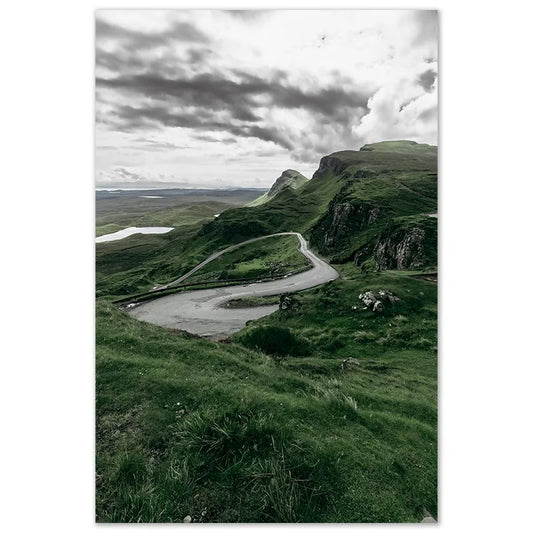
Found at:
(321, 412)
(275, 256)
(226, 433)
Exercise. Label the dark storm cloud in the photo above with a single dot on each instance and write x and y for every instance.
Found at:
(213, 96)
(128, 118)
(119, 62)
(426, 79)
(211, 139)
(178, 31)
(187, 91)
(215, 92)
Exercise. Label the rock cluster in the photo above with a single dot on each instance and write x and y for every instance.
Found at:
(288, 302)
(349, 363)
(403, 248)
(376, 301)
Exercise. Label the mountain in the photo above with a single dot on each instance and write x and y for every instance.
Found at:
(375, 206)
(289, 178)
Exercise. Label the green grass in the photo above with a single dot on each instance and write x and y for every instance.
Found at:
(183, 215)
(325, 412)
(108, 228)
(226, 433)
(275, 256)
(263, 199)
(401, 184)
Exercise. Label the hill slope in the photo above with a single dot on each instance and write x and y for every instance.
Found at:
(366, 205)
(289, 178)
(369, 206)
(324, 411)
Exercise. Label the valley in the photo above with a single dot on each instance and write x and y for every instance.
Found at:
(203, 313)
(246, 394)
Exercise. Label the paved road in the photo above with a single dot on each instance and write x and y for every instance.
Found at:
(199, 311)
(216, 255)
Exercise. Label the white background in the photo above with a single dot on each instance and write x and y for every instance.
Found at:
(47, 365)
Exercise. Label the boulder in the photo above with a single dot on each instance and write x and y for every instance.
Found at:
(378, 300)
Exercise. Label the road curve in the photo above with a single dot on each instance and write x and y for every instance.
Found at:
(200, 311)
(216, 255)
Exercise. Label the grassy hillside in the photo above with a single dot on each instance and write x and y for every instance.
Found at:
(289, 178)
(352, 206)
(343, 431)
(275, 256)
(322, 412)
(139, 262)
(399, 178)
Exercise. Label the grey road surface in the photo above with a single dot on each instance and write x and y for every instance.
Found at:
(216, 255)
(200, 311)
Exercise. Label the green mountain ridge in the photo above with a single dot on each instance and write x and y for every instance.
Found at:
(354, 207)
(369, 207)
(289, 179)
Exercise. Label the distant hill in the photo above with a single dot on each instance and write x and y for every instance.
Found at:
(289, 178)
(368, 206)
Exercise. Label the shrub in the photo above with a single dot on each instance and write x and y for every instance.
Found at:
(275, 340)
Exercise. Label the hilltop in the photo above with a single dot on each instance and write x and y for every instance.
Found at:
(289, 178)
(367, 205)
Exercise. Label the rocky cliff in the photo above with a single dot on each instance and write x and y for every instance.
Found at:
(343, 219)
(402, 246)
(371, 204)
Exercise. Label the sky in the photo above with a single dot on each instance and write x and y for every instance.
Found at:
(218, 99)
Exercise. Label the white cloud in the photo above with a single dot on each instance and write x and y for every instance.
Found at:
(305, 76)
(400, 110)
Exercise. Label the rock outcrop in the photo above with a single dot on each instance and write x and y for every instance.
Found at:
(328, 164)
(341, 221)
(377, 301)
(288, 178)
(401, 247)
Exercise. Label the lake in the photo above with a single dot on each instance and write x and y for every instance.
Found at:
(123, 233)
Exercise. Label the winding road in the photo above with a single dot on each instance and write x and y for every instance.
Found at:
(200, 311)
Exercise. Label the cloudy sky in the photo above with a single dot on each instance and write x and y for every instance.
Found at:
(233, 98)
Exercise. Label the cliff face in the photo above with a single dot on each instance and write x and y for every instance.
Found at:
(401, 247)
(370, 206)
(342, 220)
(330, 163)
(380, 211)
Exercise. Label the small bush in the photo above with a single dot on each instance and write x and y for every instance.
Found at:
(275, 340)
